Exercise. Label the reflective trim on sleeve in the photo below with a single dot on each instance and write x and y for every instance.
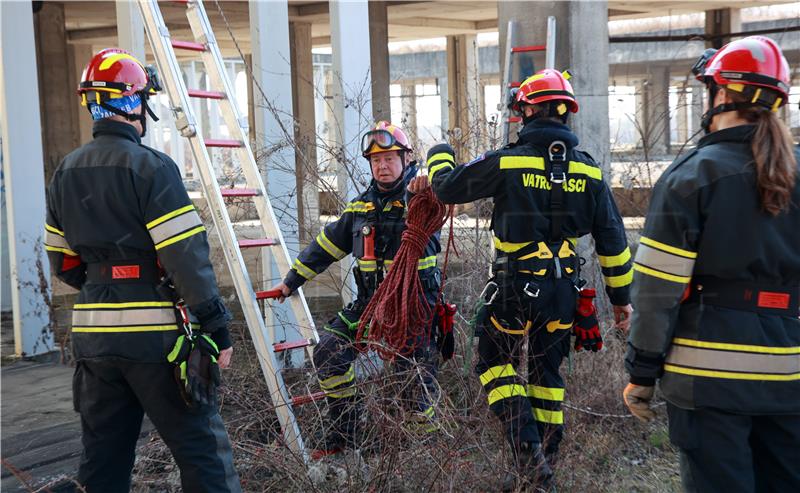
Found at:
(441, 157)
(180, 237)
(56, 241)
(661, 275)
(436, 168)
(337, 380)
(615, 260)
(53, 229)
(678, 266)
(549, 417)
(177, 212)
(348, 392)
(667, 248)
(329, 246)
(546, 393)
(578, 168)
(303, 270)
(65, 251)
(521, 162)
(505, 392)
(619, 281)
(496, 372)
(175, 226)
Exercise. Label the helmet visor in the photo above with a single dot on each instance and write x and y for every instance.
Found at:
(382, 138)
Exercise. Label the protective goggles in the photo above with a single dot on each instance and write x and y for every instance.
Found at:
(699, 67)
(381, 138)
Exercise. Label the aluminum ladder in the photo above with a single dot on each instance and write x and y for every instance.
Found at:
(205, 45)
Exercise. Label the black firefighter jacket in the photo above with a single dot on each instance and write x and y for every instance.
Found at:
(386, 213)
(118, 203)
(705, 222)
(517, 177)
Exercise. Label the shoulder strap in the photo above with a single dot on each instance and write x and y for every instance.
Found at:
(557, 158)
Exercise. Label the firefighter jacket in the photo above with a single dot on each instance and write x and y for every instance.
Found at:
(373, 210)
(706, 237)
(519, 178)
(118, 218)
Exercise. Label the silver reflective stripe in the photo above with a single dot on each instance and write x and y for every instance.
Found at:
(54, 240)
(734, 361)
(176, 225)
(130, 317)
(663, 261)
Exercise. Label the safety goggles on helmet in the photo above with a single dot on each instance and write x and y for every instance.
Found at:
(384, 139)
(699, 67)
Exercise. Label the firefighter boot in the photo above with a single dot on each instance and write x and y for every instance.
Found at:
(532, 470)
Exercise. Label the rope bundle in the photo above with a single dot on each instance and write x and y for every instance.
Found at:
(397, 318)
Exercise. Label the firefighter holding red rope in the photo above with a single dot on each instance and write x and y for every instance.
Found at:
(370, 228)
(546, 195)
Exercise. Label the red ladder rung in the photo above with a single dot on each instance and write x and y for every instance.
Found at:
(258, 242)
(286, 346)
(526, 49)
(514, 119)
(227, 143)
(239, 192)
(199, 93)
(270, 294)
(305, 399)
(188, 45)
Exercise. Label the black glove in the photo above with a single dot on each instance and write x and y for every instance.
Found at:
(196, 369)
(440, 156)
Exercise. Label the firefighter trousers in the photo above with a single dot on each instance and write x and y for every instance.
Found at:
(528, 406)
(736, 453)
(112, 397)
(334, 358)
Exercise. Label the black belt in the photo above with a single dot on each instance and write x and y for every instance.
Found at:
(142, 271)
(751, 297)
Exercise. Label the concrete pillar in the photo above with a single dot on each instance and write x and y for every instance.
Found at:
(305, 135)
(408, 98)
(79, 56)
(656, 111)
(722, 21)
(463, 87)
(581, 44)
(131, 35)
(56, 88)
(379, 61)
(352, 103)
(23, 181)
(683, 114)
(444, 101)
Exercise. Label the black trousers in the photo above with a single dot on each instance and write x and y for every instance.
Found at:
(735, 453)
(112, 397)
(529, 406)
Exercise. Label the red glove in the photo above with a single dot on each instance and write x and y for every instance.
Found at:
(446, 342)
(587, 330)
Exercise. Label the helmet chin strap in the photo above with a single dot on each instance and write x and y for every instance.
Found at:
(705, 122)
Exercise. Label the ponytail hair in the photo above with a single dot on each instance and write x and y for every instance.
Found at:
(773, 155)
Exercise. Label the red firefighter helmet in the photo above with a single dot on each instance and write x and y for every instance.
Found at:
(546, 85)
(383, 138)
(754, 65)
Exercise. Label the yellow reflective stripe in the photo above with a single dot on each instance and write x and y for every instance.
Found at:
(428, 413)
(170, 215)
(737, 347)
(329, 247)
(521, 162)
(303, 270)
(499, 327)
(578, 168)
(337, 380)
(442, 156)
(546, 393)
(731, 375)
(615, 260)
(180, 237)
(175, 226)
(53, 230)
(497, 372)
(367, 265)
(661, 275)
(349, 392)
(434, 169)
(667, 248)
(543, 252)
(65, 251)
(550, 417)
(359, 206)
(555, 325)
(132, 328)
(619, 281)
(426, 263)
(506, 391)
(129, 304)
(508, 247)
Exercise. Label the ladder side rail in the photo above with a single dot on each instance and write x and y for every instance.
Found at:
(504, 88)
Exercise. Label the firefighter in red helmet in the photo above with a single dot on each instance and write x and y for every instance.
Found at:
(546, 195)
(149, 329)
(370, 229)
(717, 286)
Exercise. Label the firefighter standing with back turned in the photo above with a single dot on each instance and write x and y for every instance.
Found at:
(119, 224)
(546, 195)
(370, 228)
(717, 286)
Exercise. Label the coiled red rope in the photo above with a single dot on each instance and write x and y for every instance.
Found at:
(397, 318)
